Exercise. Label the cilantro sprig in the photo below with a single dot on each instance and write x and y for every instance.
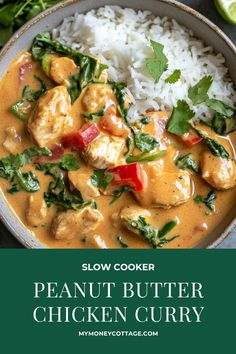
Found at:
(178, 123)
(199, 92)
(174, 77)
(159, 64)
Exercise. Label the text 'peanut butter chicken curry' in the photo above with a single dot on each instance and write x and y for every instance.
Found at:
(79, 173)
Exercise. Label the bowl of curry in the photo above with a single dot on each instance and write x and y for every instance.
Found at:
(77, 172)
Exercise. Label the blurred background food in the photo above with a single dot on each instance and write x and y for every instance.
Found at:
(14, 14)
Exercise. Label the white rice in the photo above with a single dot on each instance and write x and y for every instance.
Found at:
(121, 39)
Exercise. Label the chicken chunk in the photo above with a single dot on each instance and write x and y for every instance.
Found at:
(82, 182)
(164, 189)
(133, 212)
(72, 224)
(104, 152)
(97, 96)
(12, 141)
(50, 116)
(219, 173)
(37, 210)
(61, 68)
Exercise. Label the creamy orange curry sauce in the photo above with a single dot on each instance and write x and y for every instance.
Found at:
(122, 185)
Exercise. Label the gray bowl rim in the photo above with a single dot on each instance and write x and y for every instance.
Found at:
(34, 243)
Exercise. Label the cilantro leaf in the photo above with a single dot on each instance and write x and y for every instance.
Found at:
(178, 123)
(159, 64)
(198, 92)
(174, 77)
(220, 107)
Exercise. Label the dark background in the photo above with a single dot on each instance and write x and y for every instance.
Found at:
(206, 7)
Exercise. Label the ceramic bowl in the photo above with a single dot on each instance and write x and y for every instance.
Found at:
(202, 28)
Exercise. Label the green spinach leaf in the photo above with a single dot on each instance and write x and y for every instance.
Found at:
(216, 148)
(59, 192)
(10, 170)
(90, 67)
(101, 179)
(208, 200)
(22, 107)
(118, 193)
(144, 142)
(154, 236)
(187, 161)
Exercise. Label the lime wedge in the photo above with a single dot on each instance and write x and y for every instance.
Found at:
(227, 9)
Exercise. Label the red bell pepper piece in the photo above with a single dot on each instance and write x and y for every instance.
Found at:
(82, 138)
(130, 175)
(191, 138)
(112, 123)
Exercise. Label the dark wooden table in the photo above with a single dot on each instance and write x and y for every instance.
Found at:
(207, 8)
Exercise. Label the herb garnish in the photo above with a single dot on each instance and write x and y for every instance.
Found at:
(59, 192)
(159, 64)
(224, 121)
(146, 120)
(208, 200)
(154, 236)
(130, 146)
(101, 179)
(22, 107)
(216, 148)
(146, 156)
(198, 93)
(178, 123)
(174, 77)
(119, 89)
(223, 125)
(122, 242)
(118, 193)
(10, 170)
(144, 141)
(187, 161)
(220, 107)
(94, 115)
